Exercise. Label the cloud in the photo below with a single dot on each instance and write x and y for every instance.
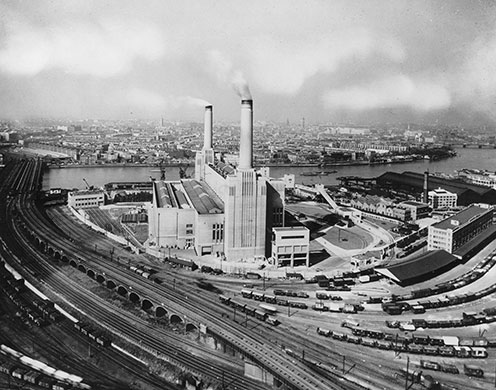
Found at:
(476, 83)
(395, 91)
(105, 48)
(283, 66)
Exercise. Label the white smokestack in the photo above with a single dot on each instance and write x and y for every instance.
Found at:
(207, 140)
(246, 139)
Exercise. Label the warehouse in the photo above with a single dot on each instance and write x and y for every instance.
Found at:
(413, 182)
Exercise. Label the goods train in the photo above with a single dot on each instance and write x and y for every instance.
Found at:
(40, 312)
(269, 298)
(397, 304)
(32, 371)
(486, 316)
(415, 344)
(92, 334)
(261, 314)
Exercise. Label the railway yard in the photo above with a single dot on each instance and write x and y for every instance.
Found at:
(78, 310)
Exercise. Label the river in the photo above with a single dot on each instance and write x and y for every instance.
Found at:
(466, 158)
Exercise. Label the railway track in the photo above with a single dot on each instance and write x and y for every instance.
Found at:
(314, 350)
(297, 375)
(200, 307)
(131, 331)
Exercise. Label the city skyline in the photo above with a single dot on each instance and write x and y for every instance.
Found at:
(326, 61)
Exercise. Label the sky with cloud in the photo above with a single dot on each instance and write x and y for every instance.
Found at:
(328, 61)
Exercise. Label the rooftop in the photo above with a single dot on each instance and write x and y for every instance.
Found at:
(440, 191)
(419, 267)
(462, 218)
(289, 228)
(203, 198)
(414, 203)
(88, 192)
(171, 194)
(415, 179)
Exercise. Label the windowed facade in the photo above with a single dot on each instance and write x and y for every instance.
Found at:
(458, 230)
(290, 246)
(86, 199)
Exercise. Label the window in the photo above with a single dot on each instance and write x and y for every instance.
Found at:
(189, 228)
(217, 232)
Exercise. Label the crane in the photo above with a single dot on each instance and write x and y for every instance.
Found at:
(88, 187)
(182, 172)
(162, 169)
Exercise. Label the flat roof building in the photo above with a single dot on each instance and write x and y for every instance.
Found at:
(459, 229)
(290, 246)
(418, 210)
(86, 198)
(442, 199)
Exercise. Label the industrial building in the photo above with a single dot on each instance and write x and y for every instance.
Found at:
(225, 210)
(290, 246)
(442, 199)
(454, 232)
(420, 268)
(418, 210)
(86, 198)
(413, 183)
(383, 207)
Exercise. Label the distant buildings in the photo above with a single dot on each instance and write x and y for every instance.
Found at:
(381, 206)
(475, 176)
(413, 183)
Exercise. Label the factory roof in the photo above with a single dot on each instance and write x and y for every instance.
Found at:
(203, 198)
(163, 195)
(171, 194)
(95, 191)
(461, 218)
(289, 228)
(440, 191)
(425, 265)
(414, 203)
(222, 168)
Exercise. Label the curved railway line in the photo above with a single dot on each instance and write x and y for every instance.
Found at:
(314, 350)
(293, 374)
(277, 349)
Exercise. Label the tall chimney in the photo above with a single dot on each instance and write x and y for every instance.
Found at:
(207, 140)
(246, 139)
(426, 187)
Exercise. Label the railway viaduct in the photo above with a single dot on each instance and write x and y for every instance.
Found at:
(254, 368)
(160, 309)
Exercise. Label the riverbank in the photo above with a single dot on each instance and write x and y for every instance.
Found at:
(270, 165)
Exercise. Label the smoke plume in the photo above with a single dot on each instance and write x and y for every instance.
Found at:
(193, 101)
(240, 85)
(223, 69)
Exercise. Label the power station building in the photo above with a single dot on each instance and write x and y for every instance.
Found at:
(225, 210)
